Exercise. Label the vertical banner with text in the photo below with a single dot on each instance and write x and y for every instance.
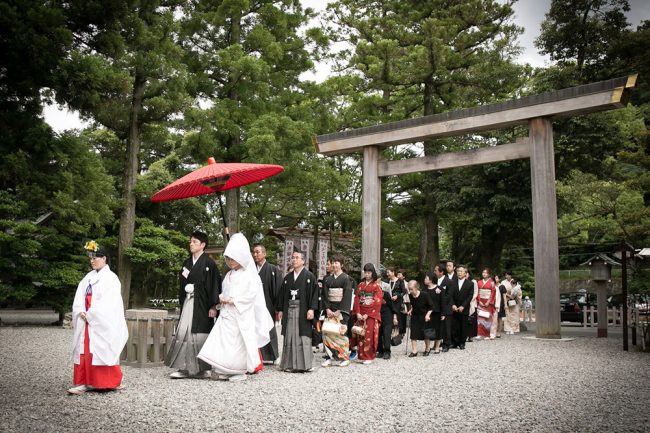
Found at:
(288, 250)
(323, 246)
(304, 247)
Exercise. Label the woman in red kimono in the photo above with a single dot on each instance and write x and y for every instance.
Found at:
(486, 300)
(367, 311)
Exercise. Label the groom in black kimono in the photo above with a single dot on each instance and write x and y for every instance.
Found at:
(200, 286)
(271, 281)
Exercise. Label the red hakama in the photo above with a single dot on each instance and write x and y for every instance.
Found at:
(97, 376)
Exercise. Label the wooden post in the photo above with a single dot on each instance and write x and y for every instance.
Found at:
(603, 319)
(157, 325)
(624, 287)
(370, 237)
(143, 337)
(131, 346)
(545, 242)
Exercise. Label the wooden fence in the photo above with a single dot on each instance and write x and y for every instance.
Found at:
(149, 341)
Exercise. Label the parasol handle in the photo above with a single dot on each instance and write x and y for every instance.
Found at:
(226, 232)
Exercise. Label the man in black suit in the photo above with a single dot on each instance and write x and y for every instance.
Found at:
(446, 314)
(461, 296)
(450, 268)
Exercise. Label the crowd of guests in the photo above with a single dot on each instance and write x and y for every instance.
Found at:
(446, 311)
(227, 326)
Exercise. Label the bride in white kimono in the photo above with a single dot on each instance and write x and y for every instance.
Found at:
(243, 326)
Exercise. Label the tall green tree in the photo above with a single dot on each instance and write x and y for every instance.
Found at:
(54, 190)
(581, 30)
(247, 58)
(128, 78)
(423, 58)
(602, 158)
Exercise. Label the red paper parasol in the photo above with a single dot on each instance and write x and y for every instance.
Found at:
(216, 178)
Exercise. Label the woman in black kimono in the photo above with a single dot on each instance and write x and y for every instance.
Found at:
(420, 312)
(437, 295)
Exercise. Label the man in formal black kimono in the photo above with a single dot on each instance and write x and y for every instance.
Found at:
(461, 296)
(271, 281)
(297, 304)
(198, 296)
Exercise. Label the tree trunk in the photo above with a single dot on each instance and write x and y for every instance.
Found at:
(232, 196)
(232, 209)
(127, 217)
(430, 233)
(490, 249)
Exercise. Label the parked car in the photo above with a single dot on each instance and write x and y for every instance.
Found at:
(572, 304)
(640, 302)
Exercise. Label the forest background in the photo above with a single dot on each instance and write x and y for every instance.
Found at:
(163, 85)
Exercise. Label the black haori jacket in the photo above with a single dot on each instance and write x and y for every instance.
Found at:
(207, 288)
(271, 281)
(307, 287)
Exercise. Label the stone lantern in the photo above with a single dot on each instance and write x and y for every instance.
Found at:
(601, 274)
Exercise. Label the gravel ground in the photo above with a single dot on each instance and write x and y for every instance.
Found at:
(511, 384)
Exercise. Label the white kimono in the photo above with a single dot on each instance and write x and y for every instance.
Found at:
(106, 324)
(243, 326)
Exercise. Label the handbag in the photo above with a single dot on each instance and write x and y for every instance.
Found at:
(330, 327)
(395, 337)
(484, 314)
(359, 330)
(512, 303)
(429, 333)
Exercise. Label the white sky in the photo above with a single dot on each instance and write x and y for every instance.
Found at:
(528, 14)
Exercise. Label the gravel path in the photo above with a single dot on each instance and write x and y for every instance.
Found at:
(512, 384)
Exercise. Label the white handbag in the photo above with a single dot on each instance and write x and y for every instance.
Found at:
(484, 314)
(512, 303)
(331, 327)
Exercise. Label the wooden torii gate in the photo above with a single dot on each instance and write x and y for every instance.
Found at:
(537, 112)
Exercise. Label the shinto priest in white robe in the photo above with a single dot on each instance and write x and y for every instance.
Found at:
(243, 326)
(106, 324)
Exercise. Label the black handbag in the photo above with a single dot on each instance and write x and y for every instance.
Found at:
(429, 333)
(396, 338)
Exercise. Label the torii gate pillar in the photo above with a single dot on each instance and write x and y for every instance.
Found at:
(371, 224)
(545, 242)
